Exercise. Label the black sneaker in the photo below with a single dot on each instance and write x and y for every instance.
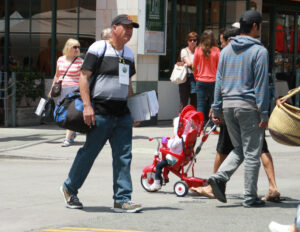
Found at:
(254, 204)
(72, 201)
(218, 188)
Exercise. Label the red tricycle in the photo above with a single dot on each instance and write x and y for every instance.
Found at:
(185, 160)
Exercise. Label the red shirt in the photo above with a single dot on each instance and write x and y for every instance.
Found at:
(205, 69)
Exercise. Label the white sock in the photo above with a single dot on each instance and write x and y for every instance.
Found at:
(157, 182)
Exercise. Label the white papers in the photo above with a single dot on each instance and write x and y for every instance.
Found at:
(40, 108)
(142, 106)
(153, 103)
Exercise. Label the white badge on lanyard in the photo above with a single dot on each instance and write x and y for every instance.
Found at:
(124, 74)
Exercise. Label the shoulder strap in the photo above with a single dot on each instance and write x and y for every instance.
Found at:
(69, 67)
(99, 62)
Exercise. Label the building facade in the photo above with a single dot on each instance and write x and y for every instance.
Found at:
(33, 32)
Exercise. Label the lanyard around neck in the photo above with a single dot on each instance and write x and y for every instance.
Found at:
(121, 58)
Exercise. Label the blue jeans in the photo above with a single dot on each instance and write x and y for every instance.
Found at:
(204, 89)
(247, 139)
(118, 130)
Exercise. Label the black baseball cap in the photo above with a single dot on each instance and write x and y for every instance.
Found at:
(124, 19)
(250, 17)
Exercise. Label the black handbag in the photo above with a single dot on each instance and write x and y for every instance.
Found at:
(56, 89)
(47, 114)
(69, 113)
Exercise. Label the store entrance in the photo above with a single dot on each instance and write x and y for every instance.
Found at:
(281, 35)
(287, 50)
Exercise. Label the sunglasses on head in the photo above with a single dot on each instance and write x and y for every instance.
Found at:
(75, 47)
(193, 40)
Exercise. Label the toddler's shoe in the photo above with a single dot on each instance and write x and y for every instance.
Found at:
(155, 186)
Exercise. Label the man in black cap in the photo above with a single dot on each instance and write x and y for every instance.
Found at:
(241, 98)
(108, 115)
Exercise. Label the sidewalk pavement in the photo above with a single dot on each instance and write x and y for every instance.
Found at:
(43, 142)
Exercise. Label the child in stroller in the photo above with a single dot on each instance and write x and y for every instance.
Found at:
(175, 145)
(177, 156)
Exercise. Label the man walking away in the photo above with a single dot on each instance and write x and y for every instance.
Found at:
(241, 94)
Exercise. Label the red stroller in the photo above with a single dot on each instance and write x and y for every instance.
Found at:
(186, 158)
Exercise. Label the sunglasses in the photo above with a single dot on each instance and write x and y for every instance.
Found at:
(75, 47)
(193, 40)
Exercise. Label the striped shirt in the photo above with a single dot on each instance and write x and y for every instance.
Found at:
(72, 76)
(109, 95)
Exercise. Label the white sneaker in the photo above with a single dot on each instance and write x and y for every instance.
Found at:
(276, 227)
(155, 186)
(66, 143)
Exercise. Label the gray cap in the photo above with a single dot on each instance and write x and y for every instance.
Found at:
(251, 16)
(124, 19)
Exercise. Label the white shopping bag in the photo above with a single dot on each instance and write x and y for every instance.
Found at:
(40, 108)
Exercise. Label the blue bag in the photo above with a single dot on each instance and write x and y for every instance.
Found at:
(69, 113)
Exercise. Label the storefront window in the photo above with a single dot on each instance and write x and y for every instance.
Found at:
(185, 16)
(31, 29)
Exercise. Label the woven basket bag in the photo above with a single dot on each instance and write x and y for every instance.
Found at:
(284, 123)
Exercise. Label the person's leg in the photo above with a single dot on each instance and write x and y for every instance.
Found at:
(235, 157)
(201, 90)
(218, 161)
(87, 154)
(121, 144)
(157, 180)
(184, 93)
(267, 161)
(252, 140)
(159, 166)
(224, 147)
(193, 94)
(211, 92)
(68, 139)
(193, 100)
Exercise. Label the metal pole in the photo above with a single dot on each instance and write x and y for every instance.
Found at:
(6, 37)
(53, 37)
(5, 100)
(173, 31)
(78, 21)
(13, 100)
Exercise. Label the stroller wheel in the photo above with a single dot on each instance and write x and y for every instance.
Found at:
(181, 188)
(148, 181)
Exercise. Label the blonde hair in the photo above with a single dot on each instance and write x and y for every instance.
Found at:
(106, 33)
(68, 46)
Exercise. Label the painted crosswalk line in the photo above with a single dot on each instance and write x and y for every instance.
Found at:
(78, 229)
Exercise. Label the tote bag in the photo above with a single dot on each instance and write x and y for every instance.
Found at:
(179, 74)
(284, 123)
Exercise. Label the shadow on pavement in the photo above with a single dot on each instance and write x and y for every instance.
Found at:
(97, 209)
(25, 138)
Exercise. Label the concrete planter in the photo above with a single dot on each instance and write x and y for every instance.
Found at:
(25, 116)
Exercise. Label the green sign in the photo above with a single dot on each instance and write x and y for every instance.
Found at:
(155, 15)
